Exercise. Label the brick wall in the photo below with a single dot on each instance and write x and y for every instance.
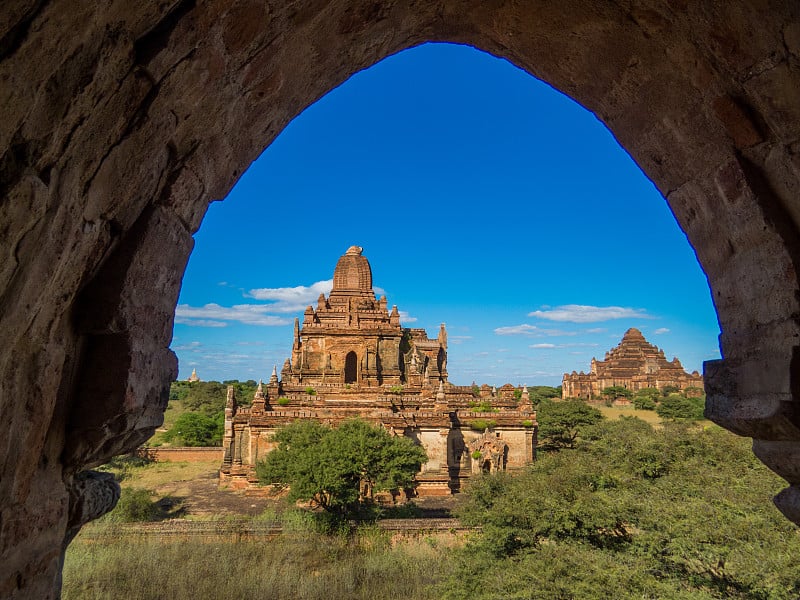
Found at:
(183, 454)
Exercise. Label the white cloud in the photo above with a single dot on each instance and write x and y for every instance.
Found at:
(191, 346)
(459, 339)
(523, 329)
(580, 313)
(296, 299)
(597, 330)
(661, 330)
(292, 299)
(532, 331)
(571, 345)
(214, 315)
(405, 317)
(199, 322)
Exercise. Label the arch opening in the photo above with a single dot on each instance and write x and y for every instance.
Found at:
(124, 168)
(351, 368)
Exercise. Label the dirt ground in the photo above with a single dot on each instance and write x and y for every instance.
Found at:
(193, 490)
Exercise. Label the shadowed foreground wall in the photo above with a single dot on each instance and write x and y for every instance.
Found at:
(122, 121)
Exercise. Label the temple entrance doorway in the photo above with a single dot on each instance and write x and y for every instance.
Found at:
(351, 368)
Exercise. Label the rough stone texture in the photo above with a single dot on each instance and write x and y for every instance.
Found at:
(122, 121)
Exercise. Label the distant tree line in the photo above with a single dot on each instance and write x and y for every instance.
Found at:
(204, 404)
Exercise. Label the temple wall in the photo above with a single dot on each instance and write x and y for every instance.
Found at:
(435, 443)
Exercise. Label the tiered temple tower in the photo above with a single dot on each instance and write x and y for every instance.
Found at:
(634, 364)
(352, 339)
(351, 357)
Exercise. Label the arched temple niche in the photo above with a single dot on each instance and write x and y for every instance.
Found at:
(351, 367)
(122, 122)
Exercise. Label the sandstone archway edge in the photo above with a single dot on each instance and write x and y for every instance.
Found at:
(123, 120)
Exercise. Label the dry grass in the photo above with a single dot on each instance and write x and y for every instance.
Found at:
(650, 416)
(301, 564)
(160, 474)
(615, 412)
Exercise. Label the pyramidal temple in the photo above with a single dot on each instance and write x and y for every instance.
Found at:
(351, 357)
(635, 364)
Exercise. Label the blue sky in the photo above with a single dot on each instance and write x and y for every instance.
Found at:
(482, 197)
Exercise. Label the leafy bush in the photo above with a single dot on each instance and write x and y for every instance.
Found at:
(677, 407)
(483, 406)
(477, 455)
(196, 429)
(616, 391)
(135, 505)
(527, 423)
(644, 403)
(283, 401)
(311, 391)
(482, 424)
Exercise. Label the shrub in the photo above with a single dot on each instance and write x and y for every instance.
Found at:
(135, 505)
(527, 423)
(616, 391)
(311, 391)
(677, 407)
(196, 429)
(396, 389)
(283, 401)
(485, 406)
(644, 403)
(667, 390)
(477, 455)
(482, 424)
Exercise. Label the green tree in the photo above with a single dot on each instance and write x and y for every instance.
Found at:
(196, 429)
(646, 399)
(340, 469)
(635, 512)
(617, 391)
(561, 422)
(538, 393)
(677, 407)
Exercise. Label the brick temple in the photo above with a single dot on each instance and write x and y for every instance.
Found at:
(351, 357)
(634, 364)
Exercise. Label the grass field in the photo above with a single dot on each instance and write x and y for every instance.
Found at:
(299, 564)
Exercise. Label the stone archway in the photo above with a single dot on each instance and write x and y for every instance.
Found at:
(122, 121)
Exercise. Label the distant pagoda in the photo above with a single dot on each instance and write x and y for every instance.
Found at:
(635, 364)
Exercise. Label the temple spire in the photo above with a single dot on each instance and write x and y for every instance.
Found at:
(274, 377)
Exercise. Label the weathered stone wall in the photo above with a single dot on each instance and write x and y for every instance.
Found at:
(161, 454)
(122, 121)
